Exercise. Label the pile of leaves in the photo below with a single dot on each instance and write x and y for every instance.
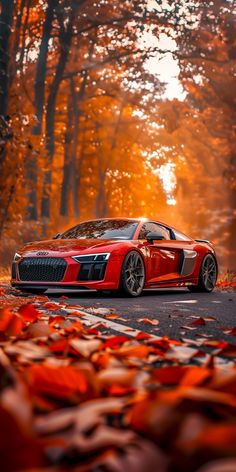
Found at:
(227, 281)
(79, 398)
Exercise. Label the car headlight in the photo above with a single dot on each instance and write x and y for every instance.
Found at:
(16, 257)
(102, 257)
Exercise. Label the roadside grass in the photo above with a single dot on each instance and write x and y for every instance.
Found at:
(227, 280)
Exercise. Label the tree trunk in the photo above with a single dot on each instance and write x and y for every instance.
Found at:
(231, 262)
(20, 63)
(67, 168)
(101, 204)
(6, 17)
(75, 169)
(16, 42)
(65, 41)
(76, 165)
(40, 81)
(101, 201)
(32, 169)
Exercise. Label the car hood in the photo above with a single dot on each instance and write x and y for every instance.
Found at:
(69, 246)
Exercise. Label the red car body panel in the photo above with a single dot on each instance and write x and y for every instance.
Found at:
(162, 260)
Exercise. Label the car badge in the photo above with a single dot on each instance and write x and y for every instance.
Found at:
(42, 253)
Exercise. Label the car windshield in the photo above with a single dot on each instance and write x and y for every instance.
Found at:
(102, 229)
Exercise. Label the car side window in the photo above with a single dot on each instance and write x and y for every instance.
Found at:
(181, 237)
(153, 228)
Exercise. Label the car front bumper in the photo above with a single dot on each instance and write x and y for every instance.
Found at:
(75, 276)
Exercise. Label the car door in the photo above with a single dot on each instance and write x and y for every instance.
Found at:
(166, 258)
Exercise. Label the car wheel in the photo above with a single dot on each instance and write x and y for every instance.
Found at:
(33, 291)
(132, 274)
(207, 275)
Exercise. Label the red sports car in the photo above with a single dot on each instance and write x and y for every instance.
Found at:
(125, 254)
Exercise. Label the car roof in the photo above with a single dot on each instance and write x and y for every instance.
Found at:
(140, 220)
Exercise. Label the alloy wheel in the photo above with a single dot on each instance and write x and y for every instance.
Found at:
(209, 273)
(133, 274)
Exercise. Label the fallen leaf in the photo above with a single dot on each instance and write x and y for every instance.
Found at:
(85, 347)
(148, 321)
(15, 326)
(5, 317)
(29, 312)
(39, 329)
(115, 341)
(61, 383)
(114, 316)
(190, 328)
(28, 452)
(141, 336)
(199, 321)
(51, 306)
(139, 351)
(221, 465)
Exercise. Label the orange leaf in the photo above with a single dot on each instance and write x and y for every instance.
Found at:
(28, 452)
(162, 343)
(51, 306)
(170, 375)
(140, 351)
(142, 336)
(15, 326)
(76, 326)
(101, 359)
(112, 316)
(59, 346)
(76, 313)
(56, 320)
(39, 329)
(85, 347)
(221, 436)
(229, 350)
(5, 317)
(58, 382)
(115, 341)
(147, 321)
(28, 312)
(199, 321)
(195, 376)
(119, 390)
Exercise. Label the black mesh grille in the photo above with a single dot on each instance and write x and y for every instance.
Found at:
(44, 269)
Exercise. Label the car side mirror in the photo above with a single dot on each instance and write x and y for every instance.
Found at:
(56, 236)
(154, 237)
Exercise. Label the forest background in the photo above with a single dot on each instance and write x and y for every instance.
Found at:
(117, 108)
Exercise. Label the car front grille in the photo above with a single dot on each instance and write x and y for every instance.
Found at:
(43, 269)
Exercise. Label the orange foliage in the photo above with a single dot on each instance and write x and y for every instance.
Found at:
(102, 400)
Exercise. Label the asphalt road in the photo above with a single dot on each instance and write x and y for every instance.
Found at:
(173, 311)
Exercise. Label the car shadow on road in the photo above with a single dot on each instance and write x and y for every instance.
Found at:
(92, 294)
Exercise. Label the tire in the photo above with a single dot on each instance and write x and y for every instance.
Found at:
(207, 275)
(33, 291)
(132, 278)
